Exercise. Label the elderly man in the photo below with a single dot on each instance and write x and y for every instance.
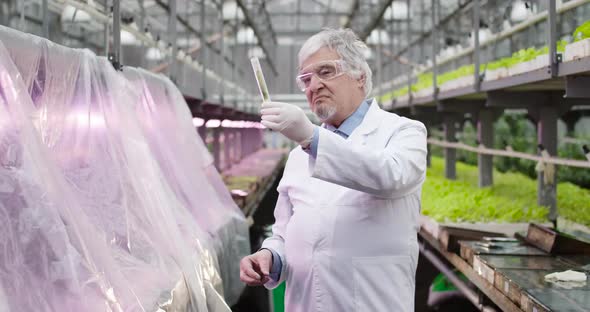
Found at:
(345, 236)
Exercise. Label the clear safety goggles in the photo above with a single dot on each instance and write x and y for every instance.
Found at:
(324, 71)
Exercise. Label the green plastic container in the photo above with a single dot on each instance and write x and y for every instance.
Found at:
(278, 298)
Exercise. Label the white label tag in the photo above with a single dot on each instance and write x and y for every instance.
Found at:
(506, 286)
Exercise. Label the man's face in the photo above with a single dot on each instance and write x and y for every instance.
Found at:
(335, 99)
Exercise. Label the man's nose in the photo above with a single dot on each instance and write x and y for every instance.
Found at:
(315, 83)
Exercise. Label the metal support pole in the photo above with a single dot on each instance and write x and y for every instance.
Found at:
(259, 139)
(422, 11)
(237, 146)
(115, 55)
(106, 32)
(547, 137)
(247, 142)
(45, 9)
(203, 51)
(409, 39)
(254, 141)
(234, 57)
(142, 27)
(5, 11)
(243, 143)
(434, 51)
(23, 7)
(552, 31)
(217, 148)
(172, 33)
(450, 153)
(250, 141)
(485, 135)
(202, 130)
(222, 54)
(392, 45)
(226, 147)
(469, 293)
(254, 147)
(230, 146)
(476, 52)
(428, 156)
(379, 56)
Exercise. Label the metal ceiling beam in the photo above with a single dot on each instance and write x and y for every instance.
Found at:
(291, 13)
(186, 25)
(327, 13)
(463, 7)
(266, 39)
(355, 22)
(307, 33)
(64, 33)
(323, 5)
(191, 29)
(351, 15)
(298, 22)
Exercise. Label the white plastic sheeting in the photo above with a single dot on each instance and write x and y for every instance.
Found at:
(3, 301)
(132, 204)
(53, 258)
(188, 168)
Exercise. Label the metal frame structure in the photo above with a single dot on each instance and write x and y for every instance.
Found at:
(546, 94)
(163, 26)
(215, 74)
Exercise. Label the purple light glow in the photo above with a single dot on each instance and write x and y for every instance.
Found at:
(226, 123)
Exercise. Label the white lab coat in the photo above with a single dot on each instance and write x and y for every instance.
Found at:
(347, 221)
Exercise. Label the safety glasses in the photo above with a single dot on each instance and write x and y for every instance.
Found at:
(324, 71)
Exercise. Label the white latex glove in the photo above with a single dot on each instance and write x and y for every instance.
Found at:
(289, 120)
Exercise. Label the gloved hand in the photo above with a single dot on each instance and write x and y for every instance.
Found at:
(289, 120)
(255, 268)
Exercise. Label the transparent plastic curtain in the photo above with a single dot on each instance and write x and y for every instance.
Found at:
(52, 257)
(3, 301)
(83, 116)
(188, 168)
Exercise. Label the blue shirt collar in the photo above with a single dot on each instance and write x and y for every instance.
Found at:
(353, 121)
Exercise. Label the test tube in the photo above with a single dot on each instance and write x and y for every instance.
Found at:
(260, 79)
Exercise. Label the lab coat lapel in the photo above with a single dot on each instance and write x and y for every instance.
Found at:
(370, 122)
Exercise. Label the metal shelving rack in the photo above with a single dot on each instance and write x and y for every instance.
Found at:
(546, 93)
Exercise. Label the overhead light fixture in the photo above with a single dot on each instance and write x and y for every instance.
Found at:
(188, 42)
(397, 11)
(197, 122)
(246, 35)
(128, 38)
(521, 10)
(285, 40)
(213, 123)
(229, 11)
(374, 37)
(71, 14)
(154, 54)
(484, 35)
(256, 52)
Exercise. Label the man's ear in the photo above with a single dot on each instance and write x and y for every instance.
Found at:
(361, 80)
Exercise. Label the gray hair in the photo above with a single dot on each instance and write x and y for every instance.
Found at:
(350, 48)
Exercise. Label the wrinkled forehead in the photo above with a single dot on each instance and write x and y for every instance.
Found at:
(313, 67)
(321, 54)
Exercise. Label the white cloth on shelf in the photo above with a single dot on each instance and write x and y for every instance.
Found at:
(566, 276)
